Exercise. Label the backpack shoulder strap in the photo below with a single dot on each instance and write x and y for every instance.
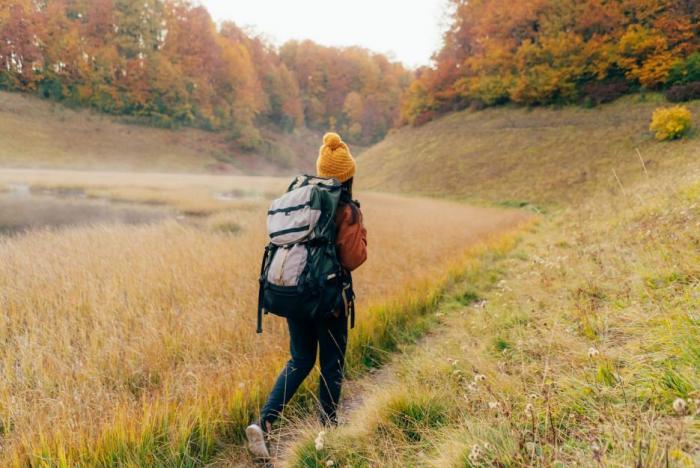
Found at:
(260, 291)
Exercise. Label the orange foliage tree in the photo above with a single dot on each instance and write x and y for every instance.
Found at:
(350, 90)
(167, 62)
(553, 51)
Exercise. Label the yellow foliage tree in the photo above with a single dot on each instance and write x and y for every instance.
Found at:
(645, 56)
(416, 100)
(551, 68)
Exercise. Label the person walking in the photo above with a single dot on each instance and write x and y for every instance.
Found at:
(327, 336)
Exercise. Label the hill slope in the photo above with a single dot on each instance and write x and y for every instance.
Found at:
(37, 133)
(503, 154)
(579, 347)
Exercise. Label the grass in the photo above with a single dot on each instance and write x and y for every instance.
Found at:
(582, 346)
(535, 158)
(41, 134)
(574, 348)
(135, 345)
(585, 346)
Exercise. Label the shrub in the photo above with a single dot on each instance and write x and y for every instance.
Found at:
(684, 92)
(599, 93)
(424, 117)
(490, 90)
(248, 137)
(671, 122)
(51, 88)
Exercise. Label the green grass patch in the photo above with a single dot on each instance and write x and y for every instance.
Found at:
(412, 417)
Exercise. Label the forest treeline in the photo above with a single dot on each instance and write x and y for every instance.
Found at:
(167, 62)
(535, 52)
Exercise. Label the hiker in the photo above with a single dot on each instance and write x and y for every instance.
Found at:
(335, 169)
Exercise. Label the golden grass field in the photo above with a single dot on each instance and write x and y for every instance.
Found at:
(572, 342)
(135, 344)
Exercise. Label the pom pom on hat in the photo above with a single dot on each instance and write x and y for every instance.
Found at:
(332, 140)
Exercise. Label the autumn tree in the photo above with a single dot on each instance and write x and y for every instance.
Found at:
(553, 51)
(167, 63)
(20, 54)
(351, 90)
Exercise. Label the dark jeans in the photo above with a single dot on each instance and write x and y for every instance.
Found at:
(330, 338)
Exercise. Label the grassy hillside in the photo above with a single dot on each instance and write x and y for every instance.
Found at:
(37, 133)
(542, 155)
(579, 347)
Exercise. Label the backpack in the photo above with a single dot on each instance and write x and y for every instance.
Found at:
(301, 276)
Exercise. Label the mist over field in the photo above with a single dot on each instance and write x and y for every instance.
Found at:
(532, 203)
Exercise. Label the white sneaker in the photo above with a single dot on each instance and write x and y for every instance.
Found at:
(256, 441)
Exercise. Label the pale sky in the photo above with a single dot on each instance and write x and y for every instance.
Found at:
(408, 30)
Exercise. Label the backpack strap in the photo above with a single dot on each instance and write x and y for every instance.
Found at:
(349, 296)
(260, 290)
(352, 311)
(298, 182)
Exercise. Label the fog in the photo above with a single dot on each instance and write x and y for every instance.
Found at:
(23, 209)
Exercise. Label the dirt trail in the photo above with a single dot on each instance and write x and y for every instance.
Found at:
(355, 394)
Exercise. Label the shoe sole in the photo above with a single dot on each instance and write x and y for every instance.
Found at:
(256, 442)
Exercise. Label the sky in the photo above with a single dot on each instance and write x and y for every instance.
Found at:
(407, 30)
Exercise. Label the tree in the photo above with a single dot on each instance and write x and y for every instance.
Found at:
(553, 51)
(20, 56)
(166, 61)
(645, 56)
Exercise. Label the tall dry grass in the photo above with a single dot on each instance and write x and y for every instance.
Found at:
(136, 344)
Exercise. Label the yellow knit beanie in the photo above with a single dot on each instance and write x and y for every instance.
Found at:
(334, 159)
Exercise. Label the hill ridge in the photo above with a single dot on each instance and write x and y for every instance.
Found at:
(45, 134)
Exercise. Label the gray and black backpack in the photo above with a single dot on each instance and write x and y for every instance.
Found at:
(301, 276)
